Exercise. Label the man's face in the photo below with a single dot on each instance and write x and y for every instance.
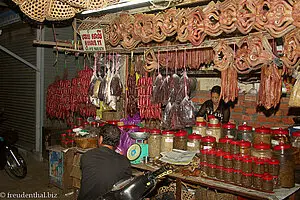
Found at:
(215, 98)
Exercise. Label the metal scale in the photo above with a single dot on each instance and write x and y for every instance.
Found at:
(138, 152)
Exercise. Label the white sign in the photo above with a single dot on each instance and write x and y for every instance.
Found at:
(92, 40)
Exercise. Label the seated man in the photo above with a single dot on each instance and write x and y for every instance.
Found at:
(102, 167)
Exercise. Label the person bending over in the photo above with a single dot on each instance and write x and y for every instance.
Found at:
(215, 106)
(102, 167)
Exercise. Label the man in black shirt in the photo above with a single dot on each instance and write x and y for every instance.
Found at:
(215, 106)
(102, 167)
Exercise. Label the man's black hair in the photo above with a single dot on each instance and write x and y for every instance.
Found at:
(111, 135)
(216, 89)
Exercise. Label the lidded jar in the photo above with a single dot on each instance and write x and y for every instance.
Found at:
(247, 165)
(200, 128)
(193, 143)
(214, 130)
(267, 184)
(274, 166)
(224, 144)
(296, 144)
(154, 141)
(245, 148)
(235, 147)
(280, 136)
(166, 144)
(229, 131)
(262, 134)
(245, 133)
(259, 166)
(180, 140)
(261, 150)
(285, 154)
(208, 142)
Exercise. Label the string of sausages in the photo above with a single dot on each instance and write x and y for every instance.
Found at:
(278, 17)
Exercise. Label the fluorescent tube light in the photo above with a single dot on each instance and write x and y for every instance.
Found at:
(119, 5)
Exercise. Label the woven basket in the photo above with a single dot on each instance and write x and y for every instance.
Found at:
(58, 10)
(77, 3)
(36, 10)
(86, 143)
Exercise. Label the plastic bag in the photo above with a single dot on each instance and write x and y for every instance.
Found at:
(174, 87)
(116, 87)
(182, 92)
(166, 118)
(176, 121)
(187, 112)
(125, 140)
(157, 90)
(295, 95)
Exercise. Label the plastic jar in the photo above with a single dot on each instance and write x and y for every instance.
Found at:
(219, 158)
(94, 124)
(71, 143)
(246, 179)
(214, 130)
(200, 128)
(245, 148)
(166, 144)
(274, 167)
(237, 162)
(261, 150)
(245, 133)
(235, 147)
(154, 141)
(259, 166)
(203, 155)
(63, 137)
(266, 161)
(267, 184)
(219, 172)
(204, 167)
(180, 140)
(228, 175)
(228, 161)
(65, 143)
(247, 165)
(229, 131)
(224, 144)
(208, 142)
(211, 156)
(79, 121)
(285, 154)
(211, 170)
(237, 176)
(262, 135)
(257, 181)
(280, 136)
(296, 143)
(193, 143)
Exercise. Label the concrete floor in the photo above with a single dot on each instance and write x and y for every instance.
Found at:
(36, 181)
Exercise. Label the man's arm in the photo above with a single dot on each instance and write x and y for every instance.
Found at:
(202, 111)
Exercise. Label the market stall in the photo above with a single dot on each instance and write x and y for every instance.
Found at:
(152, 72)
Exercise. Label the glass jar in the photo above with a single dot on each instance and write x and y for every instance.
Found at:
(63, 137)
(219, 172)
(261, 150)
(65, 143)
(228, 175)
(180, 140)
(259, 166)
(228, 161)
(203, 155)
(262, 135)
(79, 121)
(237, 176)
(245, 148)
(211, 170)
(247, 179)
(204, 167)
(266, 161)
(257, 181)
(267, 184)
(86, 125)
(71, 143)
(224, 144)
(208, 142)
(211, 156)
(193, 143)
(296, 144)
(280, 136)
(200, 128)
(285, 154)
(94, 124)
(245, 133)
(214, 130)
(235, 147)
(166, 144)
(229, 131)
(247, 165)
(274, 167)
(69, 133)
(154, 141)
(219, 158)
(237, 162)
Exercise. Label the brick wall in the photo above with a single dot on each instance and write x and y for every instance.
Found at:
(245, 109)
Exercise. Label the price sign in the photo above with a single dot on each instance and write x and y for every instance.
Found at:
(92, 40)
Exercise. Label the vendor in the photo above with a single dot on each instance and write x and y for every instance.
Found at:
(215, 106)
